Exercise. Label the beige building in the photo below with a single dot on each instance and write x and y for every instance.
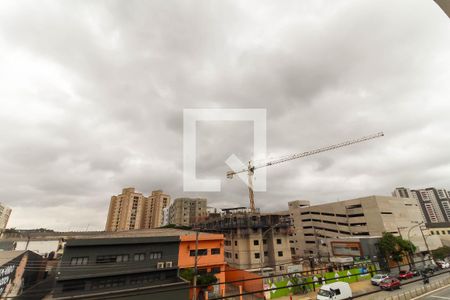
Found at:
(362, 217)
(442, 230)
(156, 203)
(254, 241)
(5, 212)
(131, 210)
(188, 211)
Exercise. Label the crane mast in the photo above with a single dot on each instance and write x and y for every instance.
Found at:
(250, 170)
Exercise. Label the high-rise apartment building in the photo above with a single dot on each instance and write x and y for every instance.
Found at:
(188, 211)
(131, 210)
(157, 201)
(434, 203)
(362, 217)
(5, 212)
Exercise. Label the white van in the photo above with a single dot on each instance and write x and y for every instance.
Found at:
(335, 291)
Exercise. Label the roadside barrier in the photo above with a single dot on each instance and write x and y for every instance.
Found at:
(413, 293)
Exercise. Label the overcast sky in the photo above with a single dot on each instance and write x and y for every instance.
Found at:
(92, 96)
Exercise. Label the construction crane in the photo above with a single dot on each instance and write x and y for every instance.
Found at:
(250, 170)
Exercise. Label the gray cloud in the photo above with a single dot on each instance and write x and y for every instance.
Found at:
(93, 93)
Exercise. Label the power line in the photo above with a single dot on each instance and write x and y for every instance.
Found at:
(243, 280)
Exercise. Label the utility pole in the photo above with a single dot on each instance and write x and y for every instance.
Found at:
(400, 232)
(194, 297)
(426, 244)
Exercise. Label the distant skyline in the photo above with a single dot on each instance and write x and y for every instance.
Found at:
(93, 93)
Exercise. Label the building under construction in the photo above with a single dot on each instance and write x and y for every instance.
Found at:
(254, 241)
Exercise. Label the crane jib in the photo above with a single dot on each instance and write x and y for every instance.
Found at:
(251, 168)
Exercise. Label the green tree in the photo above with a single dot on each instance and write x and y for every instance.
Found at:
(407, 247)
(187, 274)
(203, 279)
(390, 247)
(441, 253)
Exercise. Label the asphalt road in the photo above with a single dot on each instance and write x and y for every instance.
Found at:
(442, 294)
(405, 287)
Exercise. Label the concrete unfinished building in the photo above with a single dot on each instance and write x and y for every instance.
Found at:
(253, 240)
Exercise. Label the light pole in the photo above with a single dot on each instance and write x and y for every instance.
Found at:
(423, 236)
(411, 244)
(261, 248)
(426, 244)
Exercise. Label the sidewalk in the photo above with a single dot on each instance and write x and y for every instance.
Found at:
(359, 287)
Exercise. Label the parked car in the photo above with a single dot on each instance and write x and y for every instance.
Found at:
(434, 267)
(337, 291)
(390, 283)
(377, 278)
(405, 275)
(415, 272)
(442, 264)
(429, 270)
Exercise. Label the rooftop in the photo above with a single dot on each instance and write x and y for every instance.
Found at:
(7, 256)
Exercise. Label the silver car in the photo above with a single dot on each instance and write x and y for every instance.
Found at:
(377, 278)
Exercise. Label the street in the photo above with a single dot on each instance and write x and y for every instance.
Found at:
(407, 287)
(441, 294)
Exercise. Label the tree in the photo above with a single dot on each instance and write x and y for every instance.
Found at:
(407, 247)
(441, 253)
(395, 247)
(203, 279)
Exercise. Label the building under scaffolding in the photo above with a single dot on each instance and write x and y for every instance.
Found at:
(253, 240)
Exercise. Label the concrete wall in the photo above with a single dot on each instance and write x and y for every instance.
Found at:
(40, 247)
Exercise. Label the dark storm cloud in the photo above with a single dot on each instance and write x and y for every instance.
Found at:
(93, 95)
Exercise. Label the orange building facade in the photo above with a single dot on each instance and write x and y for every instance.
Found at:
(210, 256)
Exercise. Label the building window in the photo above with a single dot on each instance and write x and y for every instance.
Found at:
(107, 259)
(73, 286)
(139, 256)
(215, 251)
(235, 243)
(77, 261)
(257, 255)
(266, 253)
(255, 243)
(264, 242)
(432, 232)
(108, 283)
(443, 232)
(122, 258)
(155, 255)
(278, 241)
(280, 253)
(215, 270)
(236, 256)
(200, 252)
